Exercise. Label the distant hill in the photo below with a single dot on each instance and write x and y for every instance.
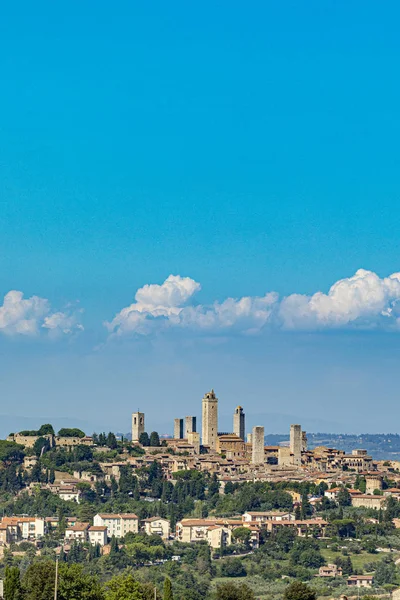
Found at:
(382, 446)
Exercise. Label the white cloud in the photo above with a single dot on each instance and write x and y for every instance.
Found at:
(61, 323)
(363, 301)
(161, 303)
(27, 316)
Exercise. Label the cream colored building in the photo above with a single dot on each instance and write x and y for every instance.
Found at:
(260, 517)
(157, 526)
(78, 532)
(209, 530)
(118, 525)
(25, 528)
(368, 501)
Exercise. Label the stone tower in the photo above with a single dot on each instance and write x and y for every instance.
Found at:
(257, 437)
(178, 429)
(190, 426)
(239, 422)
(296, 442)
(137, 425)
(210, 420)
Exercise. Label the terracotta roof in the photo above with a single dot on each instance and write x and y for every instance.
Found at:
(98, 528)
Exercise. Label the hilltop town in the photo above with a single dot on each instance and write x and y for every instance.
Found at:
(160, 506)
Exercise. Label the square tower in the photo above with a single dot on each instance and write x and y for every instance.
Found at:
(178, 429)
(190, 426)
(296, 442)
(210, 420)
(137, 425)
(239, 422)
(257, 438)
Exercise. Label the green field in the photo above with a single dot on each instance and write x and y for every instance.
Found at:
(358, 560)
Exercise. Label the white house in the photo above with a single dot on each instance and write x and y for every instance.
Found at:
(98, 535)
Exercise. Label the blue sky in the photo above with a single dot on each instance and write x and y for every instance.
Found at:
(249, 149)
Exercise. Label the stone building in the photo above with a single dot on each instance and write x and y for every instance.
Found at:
(257, 457)
(239, 422)
(285, 458)
(296, 442)
(178, 429)
(210, 420)
(373, 482)
(232, 444)
(190, 426)
(137, 425)
(194, 440)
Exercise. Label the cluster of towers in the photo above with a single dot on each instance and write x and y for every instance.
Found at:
(186, 428)
(183, 428)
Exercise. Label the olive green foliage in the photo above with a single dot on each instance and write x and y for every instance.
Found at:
(126, 587)
(299, 591)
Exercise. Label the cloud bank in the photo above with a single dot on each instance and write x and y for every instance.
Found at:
(362, 301)
(32, 316)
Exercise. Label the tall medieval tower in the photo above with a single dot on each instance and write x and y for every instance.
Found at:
(210, 420)
(238, 422)
(296, 442)
(137, 425)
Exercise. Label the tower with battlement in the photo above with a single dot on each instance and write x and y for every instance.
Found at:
(209, 422)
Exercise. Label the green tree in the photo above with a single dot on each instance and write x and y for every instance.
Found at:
(126, 587)
(41, 446)
(38, 581)
(343, 497)
(242, 535)
(12, 584)
(233, 567)
(74, 584)
(144, 439)
(74, 432)
(46, 429)
(233, 591)
(154, 439)
(306, 552)
(299, 591)
(168, 595)
(111, 441)
(306, 509)
(385, 572)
